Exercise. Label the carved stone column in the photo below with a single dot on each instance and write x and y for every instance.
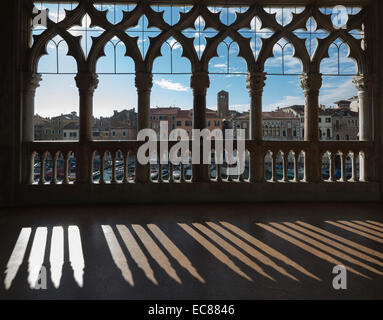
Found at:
(362, 83)
(32, 82)
(86, 82)
(311, 84)
(255, 84)
(200, 82)
(144, 84)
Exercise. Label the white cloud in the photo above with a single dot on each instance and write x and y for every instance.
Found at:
(174, 44)
(200, 48)
(286, 101)
(220, 66)
(337, 91)
(169, 85)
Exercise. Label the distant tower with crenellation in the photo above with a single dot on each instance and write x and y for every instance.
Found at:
(223, 103)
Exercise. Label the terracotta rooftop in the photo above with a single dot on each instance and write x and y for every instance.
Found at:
(164, 111)
(71, 126)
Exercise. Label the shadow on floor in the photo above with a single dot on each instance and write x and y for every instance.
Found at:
(260, 251)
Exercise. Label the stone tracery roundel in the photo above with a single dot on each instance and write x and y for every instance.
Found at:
(87, 63)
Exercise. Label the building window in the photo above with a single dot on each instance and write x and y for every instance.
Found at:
(124, 133)
(179, 123)
(217, 123)
(113, 133)
(328, 120)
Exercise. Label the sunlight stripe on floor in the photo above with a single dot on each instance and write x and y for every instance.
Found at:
(356, 226)
(118, 255)
(343, 240)
(361, 233)
(136, 253)
(233, 251)
(267, 249)
(156, 253)
(335, 244)
(56, 258)
(326, 248)
(250, 250)
(174, 251)
(76, 256)
(309, 249)
(17, 257)
(37, 255)
(218, 254)
(368, 225)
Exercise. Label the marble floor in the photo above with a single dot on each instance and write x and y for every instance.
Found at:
(214, 251)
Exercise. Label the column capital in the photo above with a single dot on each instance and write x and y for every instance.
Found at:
(199, 82)
(144, 81)
(362, 82)
(256, 81)
(32, 81)
(311, 82)
(87, 81)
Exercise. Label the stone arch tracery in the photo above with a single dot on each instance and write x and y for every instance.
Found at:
(310, 80)
(212, 20)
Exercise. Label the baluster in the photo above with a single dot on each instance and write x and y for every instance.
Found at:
(252, 171)
(285, 164)
(32, 169)
(305, 166)
(182, 179)
(66, 168)
(171, 169)
(102, 168)
(160, 179)
(42, 168)
(219, 172)
(126, 167)
(229, 177)
(343, 177)
(113, 180)
(363, 167)
(241, 166)
(331, 168)
(274, 167)
(54, 168)
(296, 167)
(353, 164)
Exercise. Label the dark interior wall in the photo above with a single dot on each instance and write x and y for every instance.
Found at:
(7, 84)
(380, 75)
(13, 45)
(12, 38)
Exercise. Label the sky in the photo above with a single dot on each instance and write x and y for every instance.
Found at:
(58, 94)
